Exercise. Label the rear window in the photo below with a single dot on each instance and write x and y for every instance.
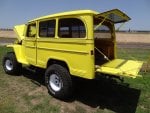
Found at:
(102, 31)
(71, 28)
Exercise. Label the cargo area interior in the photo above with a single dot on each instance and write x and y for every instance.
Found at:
(103, 41)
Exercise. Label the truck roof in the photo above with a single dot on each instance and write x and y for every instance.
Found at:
(68, 13)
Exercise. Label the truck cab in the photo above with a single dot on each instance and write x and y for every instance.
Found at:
(75, 43)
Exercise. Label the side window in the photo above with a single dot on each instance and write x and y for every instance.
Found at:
(31, 30)
(47, 28)
(71, 28)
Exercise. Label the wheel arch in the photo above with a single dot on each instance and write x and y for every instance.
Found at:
(19, 52)
(58, 61)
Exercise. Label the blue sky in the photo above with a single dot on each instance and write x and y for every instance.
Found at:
(14, 12)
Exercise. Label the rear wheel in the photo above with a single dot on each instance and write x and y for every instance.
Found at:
(10, 64)
(58, 81)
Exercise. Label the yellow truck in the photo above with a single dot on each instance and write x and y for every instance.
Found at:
(78, 43)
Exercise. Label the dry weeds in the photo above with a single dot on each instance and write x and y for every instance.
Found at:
(133, 37)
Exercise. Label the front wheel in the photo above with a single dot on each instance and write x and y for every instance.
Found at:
(10, 64)
(58, 81)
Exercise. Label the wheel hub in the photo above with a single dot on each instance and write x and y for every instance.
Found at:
(9, 64)
(55, 82)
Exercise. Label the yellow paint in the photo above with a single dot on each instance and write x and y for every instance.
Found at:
(20, 30)
(20, 53)
(121, 67)
(77, 53)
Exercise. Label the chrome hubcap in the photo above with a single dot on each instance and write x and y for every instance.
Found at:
(55, 82)
(9, 65)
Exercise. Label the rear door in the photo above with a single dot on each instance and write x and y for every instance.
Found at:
(118, 67)
(115, 15)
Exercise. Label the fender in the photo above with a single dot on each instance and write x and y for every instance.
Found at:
(19, 52)
(71, 67)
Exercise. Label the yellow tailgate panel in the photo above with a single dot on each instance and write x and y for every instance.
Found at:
(121, 67)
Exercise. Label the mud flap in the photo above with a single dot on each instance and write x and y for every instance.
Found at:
(121, 67)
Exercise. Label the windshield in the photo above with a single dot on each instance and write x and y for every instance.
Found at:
(102, 30)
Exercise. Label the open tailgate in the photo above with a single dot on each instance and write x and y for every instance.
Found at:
(121, 67)
(115, 15)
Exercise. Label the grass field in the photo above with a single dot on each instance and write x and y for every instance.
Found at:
(27, 93)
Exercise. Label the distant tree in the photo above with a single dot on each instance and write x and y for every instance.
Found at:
(129, 30)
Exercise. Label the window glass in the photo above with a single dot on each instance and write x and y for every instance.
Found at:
(47, 28)
(71, 28)
(31, 31)
(102, 30)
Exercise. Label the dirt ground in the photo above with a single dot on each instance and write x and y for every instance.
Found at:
(7, 34)
(133, 38)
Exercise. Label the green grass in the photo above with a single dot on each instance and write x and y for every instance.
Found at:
(18, 94)
(134, 54)
(143, 83)
(27, 94)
